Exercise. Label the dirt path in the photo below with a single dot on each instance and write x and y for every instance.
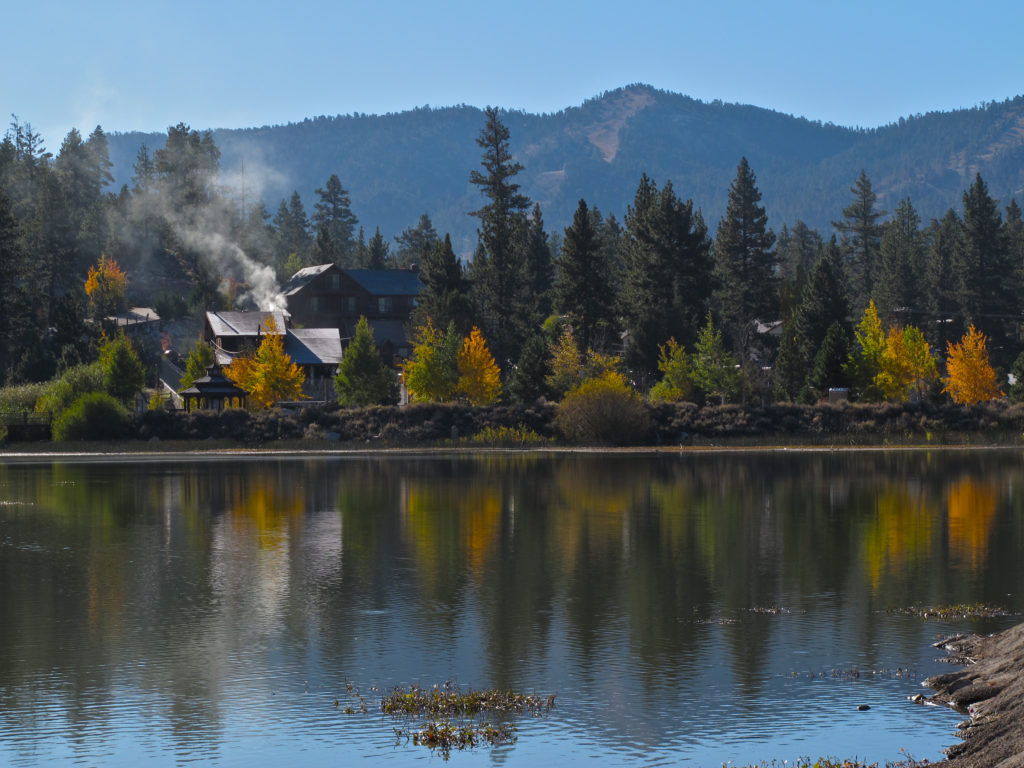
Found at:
(990, 688)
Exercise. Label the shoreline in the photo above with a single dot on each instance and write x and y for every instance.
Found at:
(990, 689)
(176, 450)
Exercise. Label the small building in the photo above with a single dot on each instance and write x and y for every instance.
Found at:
(326, 296)
(316, 350)
(213, 391)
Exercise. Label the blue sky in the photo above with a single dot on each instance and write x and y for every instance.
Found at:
(220, 63)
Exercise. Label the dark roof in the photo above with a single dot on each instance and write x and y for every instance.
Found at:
(387, 282)
(303, 277)
(214, 383)
(313, 346)
(244, 323)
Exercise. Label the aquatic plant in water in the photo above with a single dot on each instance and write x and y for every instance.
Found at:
(446, 704)
(946, 612)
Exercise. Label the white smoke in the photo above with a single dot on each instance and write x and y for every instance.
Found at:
(231, 262)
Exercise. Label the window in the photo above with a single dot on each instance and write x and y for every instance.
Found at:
(383, 304)
(350, 305)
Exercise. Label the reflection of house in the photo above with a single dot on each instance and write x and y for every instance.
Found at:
(316, 350)
(327, 296)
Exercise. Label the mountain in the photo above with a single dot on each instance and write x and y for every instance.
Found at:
(397, 166)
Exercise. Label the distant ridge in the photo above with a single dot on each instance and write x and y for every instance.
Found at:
(399, 165)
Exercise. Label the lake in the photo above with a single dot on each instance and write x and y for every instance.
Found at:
(684, 608)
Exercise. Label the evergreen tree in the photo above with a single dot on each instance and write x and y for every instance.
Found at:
(861, 239)
(378, 252)
(830, 362)
(12, 263)
(540, 267)
(583, 290)
(944, 251)
(444, 297)
(334, 223)
(362, 378)
(528, 382)
(415, 243)
(898, 284)
(666, 282)
(292, 227)
(745, 262)
(714, 370)
(987, 291)
(123, 371)
(499, 273)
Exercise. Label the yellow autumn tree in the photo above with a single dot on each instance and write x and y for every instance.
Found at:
(269, 376)
(431, 373)
(479, 375)
(970, 377)
(105, 287)
(907, 365)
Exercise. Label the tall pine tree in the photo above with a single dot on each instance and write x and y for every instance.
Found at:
(499, 272)
(745, 262)
(861, 239)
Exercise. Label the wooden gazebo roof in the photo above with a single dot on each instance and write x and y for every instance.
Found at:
(214, 390)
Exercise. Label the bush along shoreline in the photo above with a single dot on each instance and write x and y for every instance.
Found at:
(538, 424)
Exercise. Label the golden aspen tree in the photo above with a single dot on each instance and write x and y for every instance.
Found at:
(431, 373)
(970, 377)
(269, 376)
(105, 287)
(906, 363)
(479, 375)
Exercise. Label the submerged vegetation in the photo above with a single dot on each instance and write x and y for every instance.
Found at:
(951, 612)
(452, 714)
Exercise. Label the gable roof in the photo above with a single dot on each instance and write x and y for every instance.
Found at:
(387, 282)
(244, 323)
(303, 277)
(313, 346)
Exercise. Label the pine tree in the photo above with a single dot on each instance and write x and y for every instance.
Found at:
(830, 369)
(414, 244)
(987, 290)
(334, 222)
(666, 280)
(583, 290)
(944, 251)
(861, 239)
(540, 268)
(528, 382)
(444, 297)
(362, 377)
(745, 262)
(714, 370)
(499, 272)
(898, 284)
(378, 251)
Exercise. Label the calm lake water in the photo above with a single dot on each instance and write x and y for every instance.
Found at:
(685, 609)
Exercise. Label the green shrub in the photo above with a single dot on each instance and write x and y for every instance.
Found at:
(72, 384)
(507, 436)
(22, 397)
(95, 416)
(603, 410)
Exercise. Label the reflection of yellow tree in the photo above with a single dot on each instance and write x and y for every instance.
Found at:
(591, 513)
(900, 533)
(452, 528)
(266, 504)
(972, 510)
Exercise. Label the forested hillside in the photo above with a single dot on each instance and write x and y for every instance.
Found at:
(399, 166)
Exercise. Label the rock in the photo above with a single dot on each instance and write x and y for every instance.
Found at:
(863, 708)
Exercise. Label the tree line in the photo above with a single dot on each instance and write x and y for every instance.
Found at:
(661, 301)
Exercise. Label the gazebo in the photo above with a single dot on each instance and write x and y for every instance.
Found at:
(213, 391)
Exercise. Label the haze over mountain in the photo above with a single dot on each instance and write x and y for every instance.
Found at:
(397, 166)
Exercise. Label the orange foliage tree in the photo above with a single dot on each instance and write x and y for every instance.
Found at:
(479, 375)
(970, 377)
(105, 287)
(269, 376)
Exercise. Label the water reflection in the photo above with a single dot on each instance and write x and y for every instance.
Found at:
(676, 603)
